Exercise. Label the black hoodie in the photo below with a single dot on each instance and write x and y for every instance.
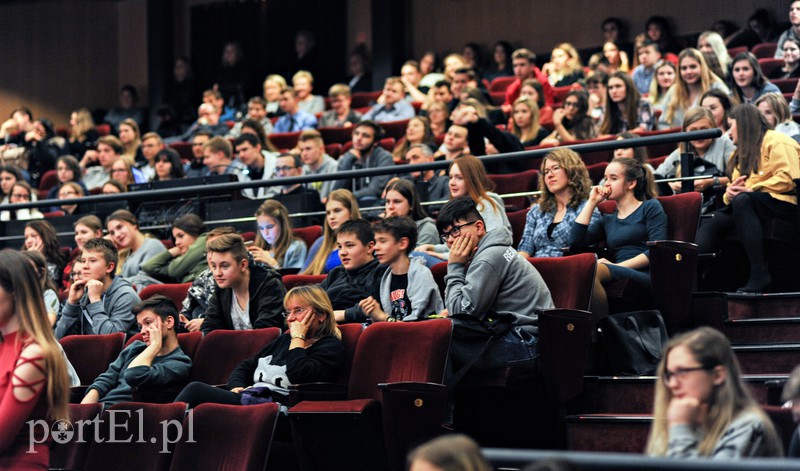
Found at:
(347, 288)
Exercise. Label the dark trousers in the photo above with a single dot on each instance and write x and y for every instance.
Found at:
(746, 216)
(198, 393)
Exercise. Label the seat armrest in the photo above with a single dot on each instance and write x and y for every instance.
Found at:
(317, 392)
(158, 394)
(601, 252)
(412, 386)
(76, 393)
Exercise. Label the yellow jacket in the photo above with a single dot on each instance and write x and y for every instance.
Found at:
(779, 165)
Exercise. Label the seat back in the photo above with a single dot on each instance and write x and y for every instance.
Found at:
(188, 341)
(121, 448)
(769, 64)
(391, 352)
(222, 350)
(786, 85)
(336, 136)
(439, 271)
(350, 335)
(570, 279)
(516, 183)
(227, 437)
(764, 50)
(395, 129)
(175, 291)
(72, 454)
(49, 180)
(499, 84)
(597, 171)
(682, 210)
(309, 234)
(517, 220)
(285, 140)
(291, 281)
(91, 354)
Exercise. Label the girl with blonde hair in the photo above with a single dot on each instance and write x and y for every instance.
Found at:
(694, 79)
(322, 257)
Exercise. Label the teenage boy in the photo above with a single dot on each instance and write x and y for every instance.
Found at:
(155, 360)
(365, 153)
(246, 296)
(649, 55)
(109, 148)
(491, 291)
(408, 291)
(359, 275)
(98, 303)
(316, 161)
(218, 158)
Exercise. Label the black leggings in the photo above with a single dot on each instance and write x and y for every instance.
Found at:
(198, 393)
(745, 216)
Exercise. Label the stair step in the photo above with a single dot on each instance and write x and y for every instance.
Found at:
(634, 394)
(776, 359)
(767, 330)
(771, 305)
(608, 432)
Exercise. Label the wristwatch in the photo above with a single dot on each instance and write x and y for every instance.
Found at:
(717, 183)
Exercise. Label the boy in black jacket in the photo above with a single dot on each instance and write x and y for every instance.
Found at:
(359, 275)
(246, 296)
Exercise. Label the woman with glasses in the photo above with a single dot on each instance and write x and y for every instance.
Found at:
(565, 187)
(310, 351)
(572, 122)
(702, 407)
(21, 192)
(69, 190)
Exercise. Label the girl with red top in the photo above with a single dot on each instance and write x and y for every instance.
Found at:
(33, 374)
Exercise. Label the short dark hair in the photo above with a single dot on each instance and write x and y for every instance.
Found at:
(298, 162)
(358, 227)
(647, 42)
(462, 208)
(105, 247)
(442, 83)
(162, 306)
(398, 227)
(376, 128)
(191, 224)
(469, 71)
(252, 139)
(24, 110)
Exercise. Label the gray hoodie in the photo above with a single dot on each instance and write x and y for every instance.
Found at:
(112, 314)
(422, 291)
(496, 281)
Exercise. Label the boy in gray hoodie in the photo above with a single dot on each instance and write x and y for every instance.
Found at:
(492, 293)
(408, 291)
(99, 303)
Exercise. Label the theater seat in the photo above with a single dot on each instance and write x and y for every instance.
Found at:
(391, 406)
(336, 135)
(91, 354)
(517, 220)
(769, 64)
(175, 291)
(152, 452)
(309, 234)
(499, 84)
(291, 281)
(226, 437)
(597, 171)
(569, 278)
(221, 351)
(764, 50)
(72, 454)
(395, 129)
(286, 140)
(516, 183)
(188, 341)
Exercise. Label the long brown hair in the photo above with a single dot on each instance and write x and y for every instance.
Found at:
(751, 126)
(612, 120)
(645, 188)
(18, 278)
(578, 179)
(317, 265)
(680, 97)
(476, 182)
(278, 213)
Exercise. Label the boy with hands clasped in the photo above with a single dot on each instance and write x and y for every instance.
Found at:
(408, 291)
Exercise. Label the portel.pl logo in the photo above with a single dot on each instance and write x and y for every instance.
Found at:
(119, 428)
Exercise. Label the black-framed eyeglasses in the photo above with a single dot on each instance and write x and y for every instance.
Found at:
(455, 231)
(681, 373)
(570, 103)
(284, 168)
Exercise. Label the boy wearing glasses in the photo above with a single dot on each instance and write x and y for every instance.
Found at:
(492, 293)
(408, 291)
(246, 296)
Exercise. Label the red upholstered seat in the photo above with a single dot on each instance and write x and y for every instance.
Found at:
(517, 220)
(395, 129)
(142, 419)
(221, 351)
(227, 437)
(365, 99)
(786, 85)
(334, 149)
(184, 149)
(175, 291)
(336, 135)
(91, 354)
(290, 281)
(597, 171)
(733, 51)
(499, 84)
(389, 419)
(48, 180)
(72, 454)
(516, 183)
(309, 234)
(768, 64)
(764, 50)
(286, 140)
(569, 278)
